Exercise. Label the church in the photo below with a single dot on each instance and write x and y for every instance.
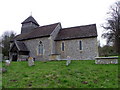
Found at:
(52, 42)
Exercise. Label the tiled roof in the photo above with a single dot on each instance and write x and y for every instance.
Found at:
(77, 32)
(30, 19)
(20, 46)
(42, 31)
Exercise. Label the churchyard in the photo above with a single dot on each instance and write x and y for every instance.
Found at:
(0, 75)
(59, 74)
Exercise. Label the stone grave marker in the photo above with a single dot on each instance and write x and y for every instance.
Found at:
(68, 60)
(30, 61)
(7, 62)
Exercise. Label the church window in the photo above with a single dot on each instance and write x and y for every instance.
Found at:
(62, 46)
(80, 45)
(40, 48)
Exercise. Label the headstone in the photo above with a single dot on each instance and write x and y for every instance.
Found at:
(30, 61)
(68, 60)
(7, 62)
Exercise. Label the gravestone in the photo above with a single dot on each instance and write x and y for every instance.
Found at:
(7, 62)
(30, 61)
(68, 60)
(106, 60)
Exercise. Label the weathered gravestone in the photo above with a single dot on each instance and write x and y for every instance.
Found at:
(30, 61)
(68, 60)
(106, 60)
(7, 62)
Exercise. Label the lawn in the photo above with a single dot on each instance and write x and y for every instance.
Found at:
(0, 76)
(55, 74)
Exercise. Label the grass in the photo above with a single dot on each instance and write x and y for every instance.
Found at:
(55, 74)
(0, 76)
(109, 56)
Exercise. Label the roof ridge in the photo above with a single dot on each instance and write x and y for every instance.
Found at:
(43, 26)
(49, 24)
(77, 32)
(79, 26)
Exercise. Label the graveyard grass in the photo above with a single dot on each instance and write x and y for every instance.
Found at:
(55, 74)
(0, 76)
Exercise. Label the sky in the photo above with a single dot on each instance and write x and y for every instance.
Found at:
(69, 12)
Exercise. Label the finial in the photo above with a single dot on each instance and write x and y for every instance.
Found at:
(30, 13)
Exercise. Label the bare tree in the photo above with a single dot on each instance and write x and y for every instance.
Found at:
(5, 44)
(112, 27)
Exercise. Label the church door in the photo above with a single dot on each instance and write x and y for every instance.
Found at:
(14, 57)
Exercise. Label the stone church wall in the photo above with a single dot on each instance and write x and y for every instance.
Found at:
(32, 46)
(52, 38)
(89, 51)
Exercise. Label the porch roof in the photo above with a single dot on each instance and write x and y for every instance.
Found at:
(20, 46)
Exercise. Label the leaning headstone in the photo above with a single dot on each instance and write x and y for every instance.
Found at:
(30, 61)
(7, 62)
(68, 60)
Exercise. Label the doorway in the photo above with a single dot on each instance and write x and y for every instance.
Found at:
(14, 57)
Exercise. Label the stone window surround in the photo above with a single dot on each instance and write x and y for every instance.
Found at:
(38, 52)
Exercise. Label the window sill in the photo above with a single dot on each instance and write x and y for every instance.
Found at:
(39, 54)
(81, 51)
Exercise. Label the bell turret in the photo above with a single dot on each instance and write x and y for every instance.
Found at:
(29, 24)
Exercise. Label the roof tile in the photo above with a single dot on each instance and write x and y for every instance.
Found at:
(77, 32)
(38, 32)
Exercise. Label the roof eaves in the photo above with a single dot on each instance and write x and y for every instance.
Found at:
(58, 24)
(75, 38)
(79, 26)
(17, 45)
(33, 38)
(11, 46)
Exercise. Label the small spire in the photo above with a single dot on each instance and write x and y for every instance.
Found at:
(31, 13)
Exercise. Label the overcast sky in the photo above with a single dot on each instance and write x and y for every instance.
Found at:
(69, 12)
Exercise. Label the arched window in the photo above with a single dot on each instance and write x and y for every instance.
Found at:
(80, 45)
(40, 48)
(62, 46)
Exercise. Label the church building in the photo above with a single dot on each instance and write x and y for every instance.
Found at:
(52, 42)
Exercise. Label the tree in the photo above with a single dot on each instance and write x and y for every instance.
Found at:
(112, 27)
(5, 44)
(106, 51)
